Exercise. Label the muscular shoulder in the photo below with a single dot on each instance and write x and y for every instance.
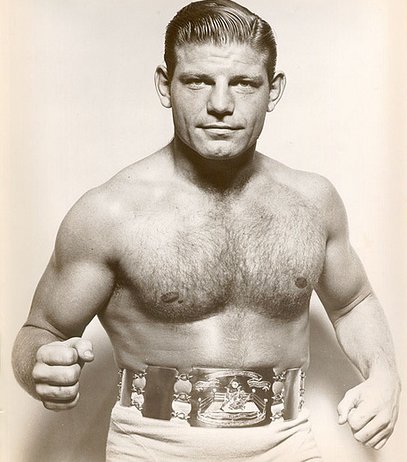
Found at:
(317, 191)
(90, 227)
(142, 180)
(85, 229)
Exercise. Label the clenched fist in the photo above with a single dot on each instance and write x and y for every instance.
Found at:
(57, 370)
(371, 410)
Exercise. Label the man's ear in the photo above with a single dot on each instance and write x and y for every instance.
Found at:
(162, 85)
(276, 90)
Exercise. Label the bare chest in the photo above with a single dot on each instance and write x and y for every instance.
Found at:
(184, 264)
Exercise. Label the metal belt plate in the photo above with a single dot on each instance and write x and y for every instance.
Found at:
(209, 397)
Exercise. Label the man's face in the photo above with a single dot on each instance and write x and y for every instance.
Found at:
(219, 97)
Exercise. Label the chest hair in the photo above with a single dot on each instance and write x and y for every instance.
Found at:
(259, 256)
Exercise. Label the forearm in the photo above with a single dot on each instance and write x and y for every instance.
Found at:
(27, 343)
(364, 335)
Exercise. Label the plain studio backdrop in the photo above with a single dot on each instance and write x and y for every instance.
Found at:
(80, 105)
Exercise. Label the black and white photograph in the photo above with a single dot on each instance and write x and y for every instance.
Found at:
(204, 211)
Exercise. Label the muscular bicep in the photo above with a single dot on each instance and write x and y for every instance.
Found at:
(343, 282)
(68, 297)
(78, 280)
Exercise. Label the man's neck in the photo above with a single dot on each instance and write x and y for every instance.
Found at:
(216, 175)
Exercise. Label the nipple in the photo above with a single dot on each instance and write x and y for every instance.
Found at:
(301, 283)
(170, 297)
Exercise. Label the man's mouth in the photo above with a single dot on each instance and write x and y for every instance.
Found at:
(217, 126)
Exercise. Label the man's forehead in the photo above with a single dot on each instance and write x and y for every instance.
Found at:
(211, 54)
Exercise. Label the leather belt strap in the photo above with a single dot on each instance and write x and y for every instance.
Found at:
(214, 397)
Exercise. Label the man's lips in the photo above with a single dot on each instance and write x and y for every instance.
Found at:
(224, 127)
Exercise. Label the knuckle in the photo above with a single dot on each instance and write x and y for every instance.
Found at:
(55, 393)
(71, 404)
(386, 417)
(374, 444)
(35, 372)
(45, 391)
(44, 352)
(357, 419)
(50, 405)
(361, 437)
(40, 353)
(349, 396)
(38, 371)
(68, 355)
(68, 392)
(55, 407)
(68, 378)
(71, 375)
(47, 405)
(39, 388)
(60, 406)
(380, 445)
(61, 393)
(352, 421)
(387, 431)
(58, 353)
(382, 425)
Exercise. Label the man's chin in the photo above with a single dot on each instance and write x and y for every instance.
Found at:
(220, 153)
(220, 156)
(216, 150)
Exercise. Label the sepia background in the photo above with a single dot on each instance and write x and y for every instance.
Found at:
(79, 105)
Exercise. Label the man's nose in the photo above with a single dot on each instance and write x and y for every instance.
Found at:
(221, 102)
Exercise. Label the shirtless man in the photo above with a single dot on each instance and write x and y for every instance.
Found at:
(200, 261)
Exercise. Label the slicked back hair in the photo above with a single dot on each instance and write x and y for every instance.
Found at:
(219, 22)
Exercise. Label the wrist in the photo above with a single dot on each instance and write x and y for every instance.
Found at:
(385, 375)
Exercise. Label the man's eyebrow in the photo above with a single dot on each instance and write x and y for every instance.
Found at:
(254, 78)
(194, 75)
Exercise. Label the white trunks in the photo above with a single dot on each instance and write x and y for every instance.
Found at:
(134, 438)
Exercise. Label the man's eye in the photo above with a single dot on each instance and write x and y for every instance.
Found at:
(247, 85)
(244, 84)
(196, 84)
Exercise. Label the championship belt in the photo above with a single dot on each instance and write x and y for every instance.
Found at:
(214, 397)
